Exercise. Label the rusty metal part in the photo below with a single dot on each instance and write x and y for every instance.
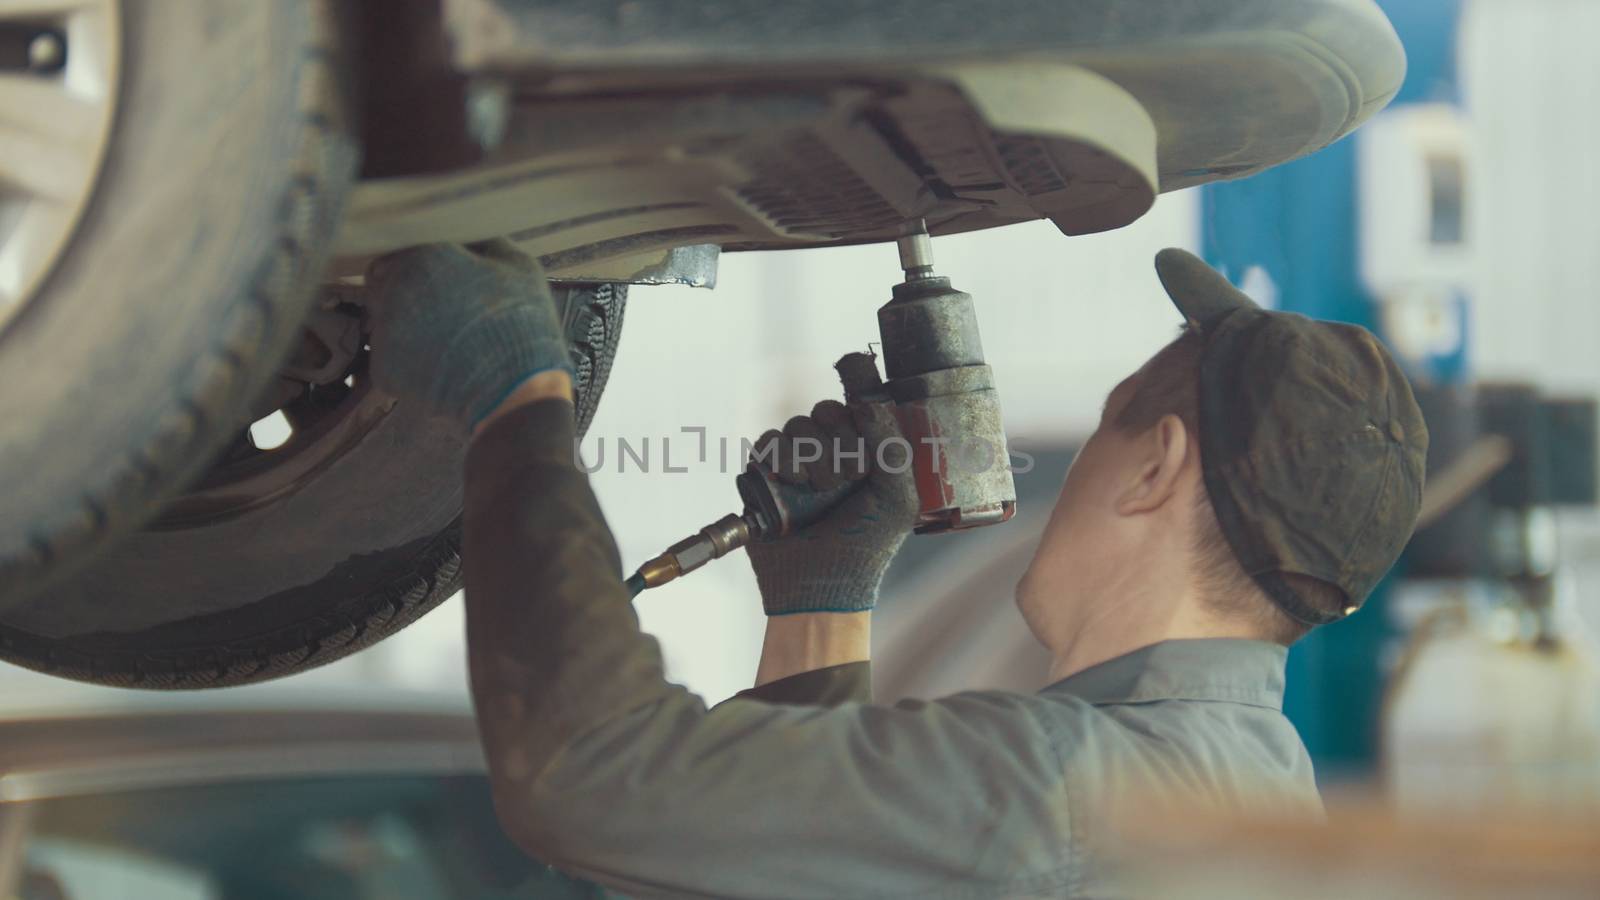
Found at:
(944, 396)
(959, 456)
(419, 114)
(330, 342)
(325, 400)
(692, 266)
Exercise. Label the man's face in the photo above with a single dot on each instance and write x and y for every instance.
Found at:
(1085, 539)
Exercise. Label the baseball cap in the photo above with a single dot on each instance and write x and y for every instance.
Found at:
(1312, 446)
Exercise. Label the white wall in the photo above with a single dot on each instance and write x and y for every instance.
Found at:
(1532, 79)
(1531, 76)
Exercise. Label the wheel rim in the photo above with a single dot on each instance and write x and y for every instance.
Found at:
(322, 407)
(59, 65)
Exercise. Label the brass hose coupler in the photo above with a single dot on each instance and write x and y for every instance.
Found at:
(714, 541)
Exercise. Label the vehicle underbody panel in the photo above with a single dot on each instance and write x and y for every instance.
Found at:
(627, 129)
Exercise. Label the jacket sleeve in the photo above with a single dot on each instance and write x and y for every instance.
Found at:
(603, 768)
(828, 686)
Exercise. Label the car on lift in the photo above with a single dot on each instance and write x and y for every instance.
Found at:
(189, 193)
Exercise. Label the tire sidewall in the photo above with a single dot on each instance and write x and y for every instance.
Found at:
(185, 280)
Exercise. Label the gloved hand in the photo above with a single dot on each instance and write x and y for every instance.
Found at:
(836, 564)
(457, 329)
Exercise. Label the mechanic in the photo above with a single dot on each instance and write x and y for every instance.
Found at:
(1254, 479)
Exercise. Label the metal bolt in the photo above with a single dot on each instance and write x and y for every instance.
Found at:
(916, 250)
(46, 52)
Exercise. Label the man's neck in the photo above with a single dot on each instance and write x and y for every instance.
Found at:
(1088, 654)
(1113, 626)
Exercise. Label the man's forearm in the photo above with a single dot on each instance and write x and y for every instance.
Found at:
(804, 642)
(554, 645)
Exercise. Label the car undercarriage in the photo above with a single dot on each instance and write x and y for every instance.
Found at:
(189, 195)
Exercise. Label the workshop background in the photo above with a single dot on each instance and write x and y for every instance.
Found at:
(1459, 224)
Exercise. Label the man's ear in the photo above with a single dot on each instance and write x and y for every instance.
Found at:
(1160, 457)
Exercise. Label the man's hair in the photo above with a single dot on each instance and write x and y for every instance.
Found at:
(1170, 386)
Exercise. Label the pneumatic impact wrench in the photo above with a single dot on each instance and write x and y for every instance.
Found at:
(944, 403)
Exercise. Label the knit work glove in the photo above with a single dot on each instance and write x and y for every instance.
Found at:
(836, 564)
(457, 329)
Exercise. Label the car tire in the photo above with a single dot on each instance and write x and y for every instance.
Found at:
(232, 585)
(184, 279)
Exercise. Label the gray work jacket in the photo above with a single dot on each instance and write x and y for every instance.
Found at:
(803, 788)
